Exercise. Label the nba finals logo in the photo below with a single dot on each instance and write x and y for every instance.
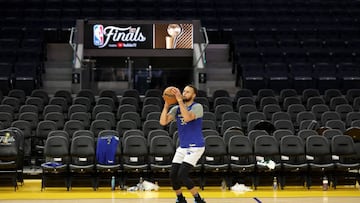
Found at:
(98, 38)
(117, 37)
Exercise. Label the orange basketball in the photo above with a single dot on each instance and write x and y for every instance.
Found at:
(168, 96)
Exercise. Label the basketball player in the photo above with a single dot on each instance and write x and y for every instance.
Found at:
(188, 116)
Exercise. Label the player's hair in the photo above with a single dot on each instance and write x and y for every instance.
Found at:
(194, 88)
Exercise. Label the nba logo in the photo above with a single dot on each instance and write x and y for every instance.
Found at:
(98, 39)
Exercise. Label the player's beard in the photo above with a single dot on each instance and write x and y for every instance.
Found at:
(186, 99)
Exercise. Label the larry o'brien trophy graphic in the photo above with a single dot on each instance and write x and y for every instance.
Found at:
(174, 30)
(173, 36)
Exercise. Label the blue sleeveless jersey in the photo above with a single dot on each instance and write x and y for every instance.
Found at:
(106, 150)
(190, 134)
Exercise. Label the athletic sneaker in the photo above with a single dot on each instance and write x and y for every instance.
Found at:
(200, 201)
(182, 200)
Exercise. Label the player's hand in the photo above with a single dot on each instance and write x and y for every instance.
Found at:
(177, 94)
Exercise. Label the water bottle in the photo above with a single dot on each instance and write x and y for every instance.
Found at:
(113, 183)
(149, 77)
(141, 184)
(325, 183)
(223, 185)
(6, 138)
(275, 183)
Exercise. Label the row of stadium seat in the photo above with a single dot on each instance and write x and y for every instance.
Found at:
(240, 158)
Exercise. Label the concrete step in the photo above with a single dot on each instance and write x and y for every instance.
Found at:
(58, 74)
(218, 46)
(219, 65)
(52, 86)
(219, 74)
(218, 69)
(116, 86)
(217, 53)
(59, 52)
(58, 68)
(58, 64)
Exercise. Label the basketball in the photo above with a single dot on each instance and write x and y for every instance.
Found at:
(168, 96)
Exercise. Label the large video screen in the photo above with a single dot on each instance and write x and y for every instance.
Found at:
(138, 36)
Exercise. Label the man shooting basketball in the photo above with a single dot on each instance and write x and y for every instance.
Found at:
(188, 116)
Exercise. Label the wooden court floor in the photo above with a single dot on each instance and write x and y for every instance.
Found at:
(30, 192)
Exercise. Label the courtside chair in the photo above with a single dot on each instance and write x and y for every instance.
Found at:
(293, 161)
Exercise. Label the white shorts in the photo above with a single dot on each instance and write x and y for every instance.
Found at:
(189, 155)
